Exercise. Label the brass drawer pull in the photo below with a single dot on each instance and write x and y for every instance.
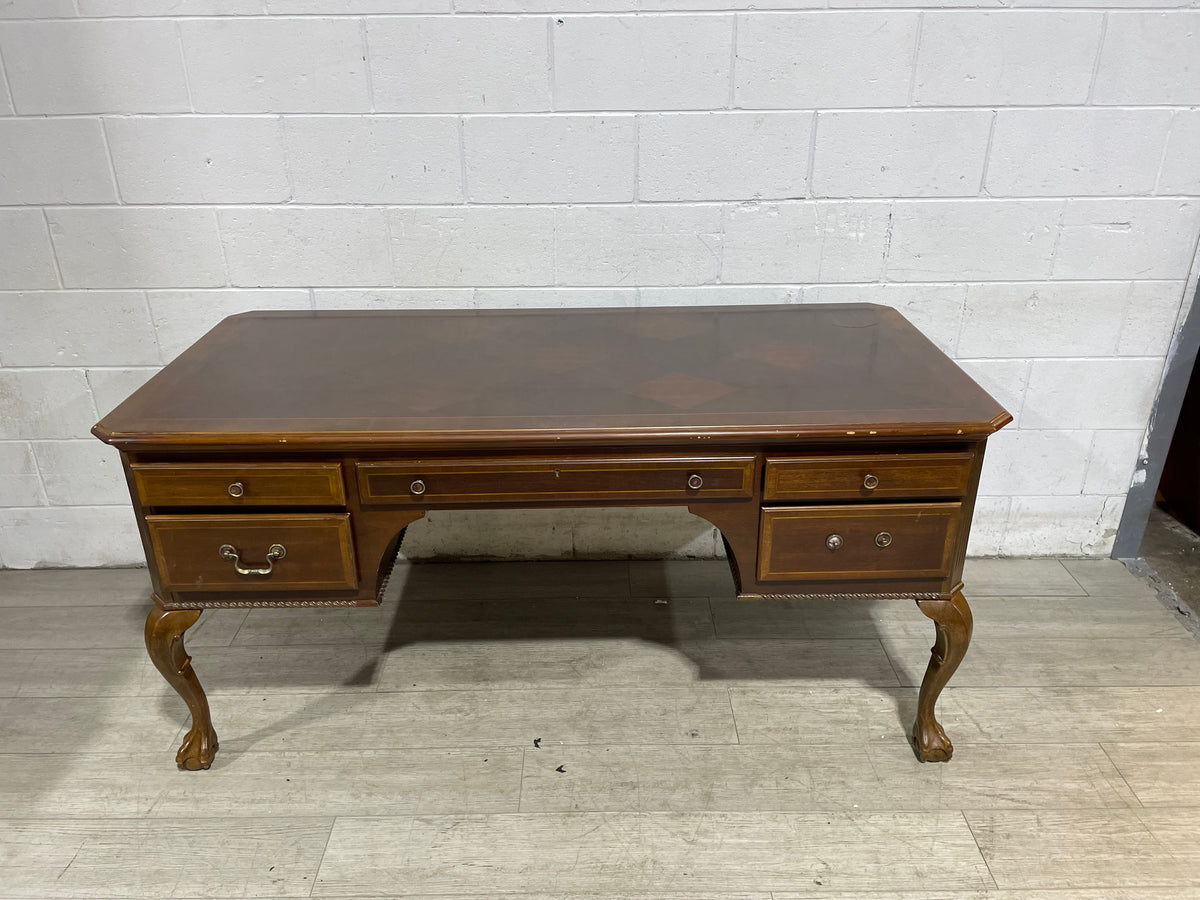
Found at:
(417, 487)
(695, 482)
(274, 552)
(834, 542)
(871, 482)
(883, 539)
(237, 489)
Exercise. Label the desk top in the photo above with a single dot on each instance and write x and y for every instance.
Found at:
(526, 378)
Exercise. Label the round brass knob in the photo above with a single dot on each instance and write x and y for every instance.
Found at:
(237, 489)
(871, 482)
(883, 539)
(417, 487)
(834, 542)
(695, 482)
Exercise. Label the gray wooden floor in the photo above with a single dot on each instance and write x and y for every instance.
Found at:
(618, 730)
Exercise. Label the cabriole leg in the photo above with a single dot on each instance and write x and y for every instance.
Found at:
(164, 641)
(952, 619)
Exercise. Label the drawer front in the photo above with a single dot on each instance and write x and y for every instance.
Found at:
(556, 480)
(193, 553)
(893, 541)
(892, 477)
(229, 484)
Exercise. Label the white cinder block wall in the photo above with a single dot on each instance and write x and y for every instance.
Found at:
(1020, 182)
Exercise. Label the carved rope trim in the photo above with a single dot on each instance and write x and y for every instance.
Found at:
(254, 604)
(847, 596)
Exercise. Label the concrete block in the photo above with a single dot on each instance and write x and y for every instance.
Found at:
(116, 65)
(1181, 164)
(81, 473)
(724, 155)
(1005, 379)
(824, 59)
(169, 7)
(720, 295)
(348, 7)
(44, 404)
(554, 298)
(275, 65)
(55, 536)
(20, 484)
(1071, 152)
(110, 387)
(972, 240)
(1091, 393)
(182, 317)
(362, 159)
(547, 159)
(28, 260)
(473, 246)
(1150, 57)
(54, 161)
(1150, 321)
(906, 153)
(137, 247)
(804, 242)
(37, 9)
(1037, 463)
(936, 309)
(638, 245)
(490, 534)
(549, 6)
(642, 62)
(1113, 458)
(459, 64)
(1044, 319)
(987, 526)
(971, 57)
(199, 159)
(1146, 237)
(303, 246)
(76, 328)
(650, 533)
(1062, 526)
(395, 298)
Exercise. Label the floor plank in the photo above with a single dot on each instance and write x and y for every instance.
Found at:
(650, 852)
(75, 587)
(1018, 577)
(90, 725)
(282, 784)
(1161, 773)
(1092, 848)
(817, 777)
(114, 858)
(103, 627)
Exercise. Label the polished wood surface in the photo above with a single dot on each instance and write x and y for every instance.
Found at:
(279, 461)
(556, 377)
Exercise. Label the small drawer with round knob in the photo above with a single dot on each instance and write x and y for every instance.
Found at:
(239, 485)
(883, 476)
(862, 541)
(557, 480)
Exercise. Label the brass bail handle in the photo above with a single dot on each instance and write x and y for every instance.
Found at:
(274, 552)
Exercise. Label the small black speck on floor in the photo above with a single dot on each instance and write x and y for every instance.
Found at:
(561, 769)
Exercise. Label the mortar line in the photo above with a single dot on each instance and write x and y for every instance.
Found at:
(108, 156)
(1096, 63)
(53, 250)
(187, 78)
(366, 53)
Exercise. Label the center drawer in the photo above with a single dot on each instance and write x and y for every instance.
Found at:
(893, 541)
(273, 552)
(555, 480)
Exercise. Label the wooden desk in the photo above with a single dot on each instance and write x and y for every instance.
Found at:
(278, 461)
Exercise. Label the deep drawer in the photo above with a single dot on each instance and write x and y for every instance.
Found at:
(892, 541)
(193, 553)
(555, 480)
(230, 484)
(886, 477)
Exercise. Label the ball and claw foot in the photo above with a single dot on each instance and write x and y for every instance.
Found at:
(931, 743)
(197, 750)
